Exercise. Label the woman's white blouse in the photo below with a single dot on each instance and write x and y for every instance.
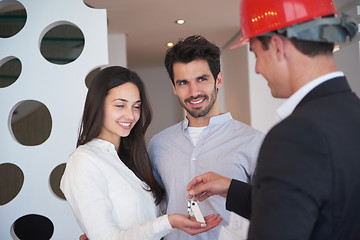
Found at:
(107, 198)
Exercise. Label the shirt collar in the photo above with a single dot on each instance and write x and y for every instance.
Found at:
(102, 144)
(290, 104)
(213, 120)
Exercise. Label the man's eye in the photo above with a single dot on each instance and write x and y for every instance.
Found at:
(119, 106)
(182, 82)
(137, 107)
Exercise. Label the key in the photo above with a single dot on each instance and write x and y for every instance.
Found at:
(194, 211)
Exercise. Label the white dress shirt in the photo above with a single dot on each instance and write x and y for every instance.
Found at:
(288, 107)
(107, 198)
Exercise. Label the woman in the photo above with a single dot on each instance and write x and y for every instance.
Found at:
(108, 180)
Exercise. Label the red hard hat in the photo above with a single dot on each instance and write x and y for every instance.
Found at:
(261, 16)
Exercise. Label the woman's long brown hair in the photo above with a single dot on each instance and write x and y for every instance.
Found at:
(132, 150)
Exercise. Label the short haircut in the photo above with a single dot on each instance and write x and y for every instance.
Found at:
(193, 48)
(309, 48)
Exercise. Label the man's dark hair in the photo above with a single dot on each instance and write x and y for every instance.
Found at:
(309, 48)
(193, 48)
(306, 47)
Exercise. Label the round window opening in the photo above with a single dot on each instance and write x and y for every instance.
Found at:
(12, 18)
(10, 69)
(11, 182)
(30, 123)
(55, 178)
(62, 44)
(32, 226)
(90, 77)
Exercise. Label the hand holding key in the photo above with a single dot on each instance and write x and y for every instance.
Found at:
(207, 185)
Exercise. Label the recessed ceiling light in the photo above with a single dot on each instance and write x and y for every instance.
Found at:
(180, 21)
(170, 44)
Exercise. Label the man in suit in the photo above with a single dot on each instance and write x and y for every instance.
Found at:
(307, 184)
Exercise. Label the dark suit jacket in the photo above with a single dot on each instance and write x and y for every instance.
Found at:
(307, 181)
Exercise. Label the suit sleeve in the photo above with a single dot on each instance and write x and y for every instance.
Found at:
(239, 198)
(292, 181)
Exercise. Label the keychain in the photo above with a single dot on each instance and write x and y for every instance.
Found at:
(194, 211)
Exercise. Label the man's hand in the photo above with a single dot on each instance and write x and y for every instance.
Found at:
(191, 226)
(208, 184)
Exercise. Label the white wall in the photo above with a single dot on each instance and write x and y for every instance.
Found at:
(347, 58)
(165, 105)
(62, 89)
(117, 50)
(234, 66)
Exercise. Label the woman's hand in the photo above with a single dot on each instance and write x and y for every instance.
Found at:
(83, 237)
(188, 224)
(191, 226)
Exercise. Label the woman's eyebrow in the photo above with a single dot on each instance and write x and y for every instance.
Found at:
(125, 100)
(120, 99)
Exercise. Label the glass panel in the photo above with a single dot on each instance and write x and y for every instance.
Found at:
(11, 182)
(12, 18)
(9, 71)
(62, 44)
(55, 178)
(31, 123)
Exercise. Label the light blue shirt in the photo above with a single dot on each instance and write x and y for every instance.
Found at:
(226, 147)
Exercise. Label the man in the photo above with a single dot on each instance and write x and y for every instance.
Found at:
(307, 183)
(206, 140)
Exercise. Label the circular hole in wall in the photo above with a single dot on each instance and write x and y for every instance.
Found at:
(62, 44)
(55, 178)
(10, 69)
(11, 182)
(30, 123)
(90, 77)
(33, 226)
(12, 18)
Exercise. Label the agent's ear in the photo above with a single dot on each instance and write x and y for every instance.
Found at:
(219, 80)
(279, 46)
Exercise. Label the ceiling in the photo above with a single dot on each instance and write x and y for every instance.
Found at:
(149, 25)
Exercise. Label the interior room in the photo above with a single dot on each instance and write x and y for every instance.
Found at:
(49, 54)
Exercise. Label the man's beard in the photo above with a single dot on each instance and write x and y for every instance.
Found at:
(197, 113)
